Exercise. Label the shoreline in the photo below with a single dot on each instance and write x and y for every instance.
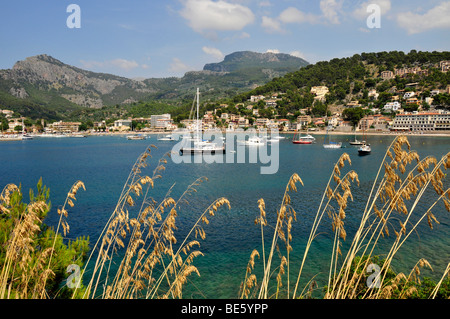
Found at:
(6, 138)
(440, 134)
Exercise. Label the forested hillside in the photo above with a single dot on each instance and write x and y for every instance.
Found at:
(351, 79)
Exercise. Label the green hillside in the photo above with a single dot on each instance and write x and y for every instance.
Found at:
(351, 79)
(44, 87)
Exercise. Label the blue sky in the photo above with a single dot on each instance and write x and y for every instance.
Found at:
(155, 38)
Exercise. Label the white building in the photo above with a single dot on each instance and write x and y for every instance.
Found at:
(392, 106)
(320, 92)
(432, 121)
(7, 113)
(256, 98)
(373, 94)
(161, 121)
(409, 95)
(65, 127)
(387, 75)
(122, 125)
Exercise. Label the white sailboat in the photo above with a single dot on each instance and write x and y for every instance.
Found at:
(331, 144)
(356, 142)
(197, 145)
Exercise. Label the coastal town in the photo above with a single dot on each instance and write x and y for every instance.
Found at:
(410, 110)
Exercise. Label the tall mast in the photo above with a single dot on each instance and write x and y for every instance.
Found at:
(198, 102)
(198, 110)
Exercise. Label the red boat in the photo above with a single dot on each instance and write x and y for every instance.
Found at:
(308, 139)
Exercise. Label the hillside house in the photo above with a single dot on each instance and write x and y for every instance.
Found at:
(271, 103)
(262, 122)
(387, 75)
(320, 92)
(408, 95)
(445, 66)
(353, 104)
(392, 106)
(373, 94)
(304, 120)
(256, 98)
(7, 113)
(412, 101)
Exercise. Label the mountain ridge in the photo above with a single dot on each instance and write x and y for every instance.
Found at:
(46, 81)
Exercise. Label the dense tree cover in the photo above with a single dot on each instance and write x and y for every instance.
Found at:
(394, 286)
(354, 115)
(3, 123)
(350, 79)
(353, 75)
(38, 250)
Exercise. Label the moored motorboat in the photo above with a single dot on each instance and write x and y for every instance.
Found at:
(332, 145)
(254, 141)
(365, 149)
(135, 137)
(308, 139)
(166, 138)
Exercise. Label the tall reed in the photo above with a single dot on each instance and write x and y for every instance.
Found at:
(150, 261)
(27, 257)
(138, 254)
(386, 207)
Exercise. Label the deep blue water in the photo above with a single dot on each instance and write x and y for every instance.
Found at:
(103, 164)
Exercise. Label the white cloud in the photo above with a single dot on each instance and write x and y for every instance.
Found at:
(298, 54)
(244, 35)
(91, 64)
(271, 25)
(216, 53)
(177, 66)
(127, 27)
(330, 10)
(361, 12)
(273, 51)
(123, 64)
(293, 15)
(330, 14)
(436, 18)
(208, 15)
(265, 4)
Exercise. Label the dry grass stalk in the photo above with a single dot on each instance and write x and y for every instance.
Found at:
(389, 194)
(391, 198)
(154, 263)
(20, 251)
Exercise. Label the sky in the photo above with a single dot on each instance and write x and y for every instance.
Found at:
(164, 38)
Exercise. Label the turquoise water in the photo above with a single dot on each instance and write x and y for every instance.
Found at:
(103, 164)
